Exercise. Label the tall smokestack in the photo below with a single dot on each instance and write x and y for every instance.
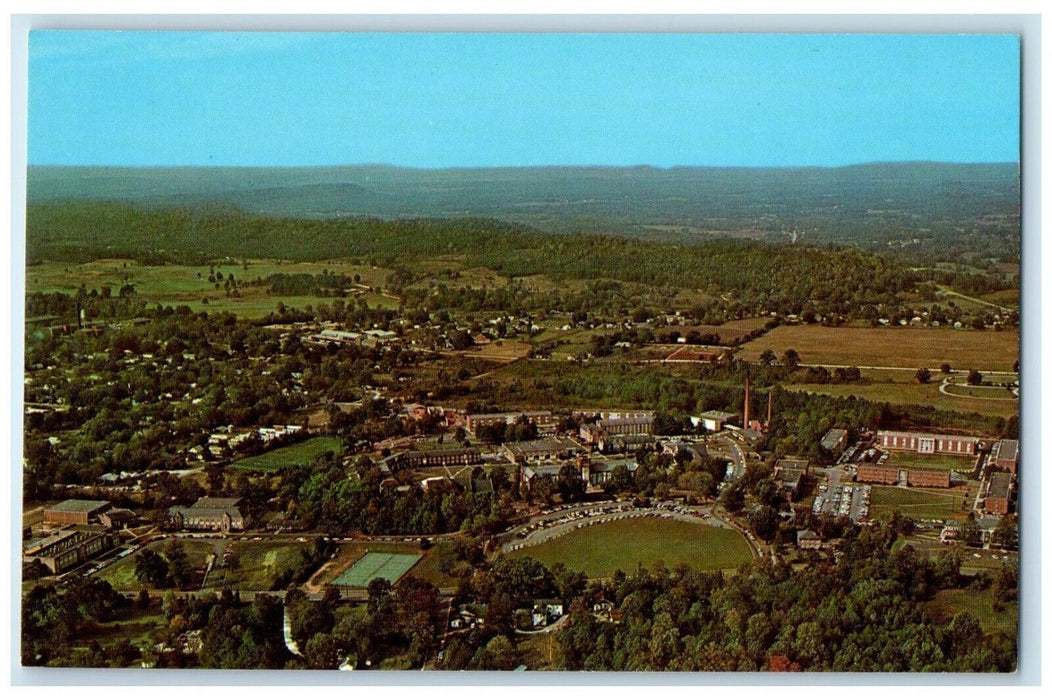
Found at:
(770, 405)
(746, 421)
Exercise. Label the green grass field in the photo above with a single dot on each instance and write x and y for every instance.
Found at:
(915, 503)
(980, 392)
(122, 574)
(385, 565)
(891, 347)
(903, 388)
(180, 284)
(599, 550)
(946, 604)
(259, 563)
(939, 462)
(300, 453)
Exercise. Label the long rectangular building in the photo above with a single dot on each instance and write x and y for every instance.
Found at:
(545, 450)
(542, 419)
(75, 512)
(927, 443)
(890, 476)
(457, 456)
(873, 474)
(69, 548)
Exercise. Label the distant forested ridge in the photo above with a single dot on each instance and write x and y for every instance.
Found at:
(918, 210)
(766, 275)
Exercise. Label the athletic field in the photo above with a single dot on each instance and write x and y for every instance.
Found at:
(376, 565)
(600, 550)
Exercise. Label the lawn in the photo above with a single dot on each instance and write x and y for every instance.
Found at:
(916, 503)
(891, 347)
(599, 550)
(122, 574)
(259, 563)
(940, 462)
(300, 453)
(981, 392)
(948, 603)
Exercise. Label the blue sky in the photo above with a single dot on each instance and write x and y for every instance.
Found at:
(445, 100)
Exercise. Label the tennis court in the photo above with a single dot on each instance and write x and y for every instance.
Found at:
(387, 565)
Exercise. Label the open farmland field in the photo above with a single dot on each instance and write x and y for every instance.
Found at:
(730, 333)
(299, 453)
(903, 388)
(183, 284)
(891, 347)
(500, 351)
(917, 503)
(599, 550)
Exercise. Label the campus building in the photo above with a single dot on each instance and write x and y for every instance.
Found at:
(545, 450)
(68, 548)
(634, 425)
(75, 512)
(998, 493)
(414, 459)
(542, 419)
(1005, 455)
(214, 514)
(890, 476)
(715, 420)
(597, 473)
(927, 443)
(835, 441)
(791, 475)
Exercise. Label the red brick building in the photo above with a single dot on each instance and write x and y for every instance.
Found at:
(75, 512)
(927, 443)
(872, 474)
(1005, 455)
(998, 493)
(931, 478)
(889, 476)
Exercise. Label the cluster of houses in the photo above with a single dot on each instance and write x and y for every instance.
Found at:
(225, 443)
(373, 337)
